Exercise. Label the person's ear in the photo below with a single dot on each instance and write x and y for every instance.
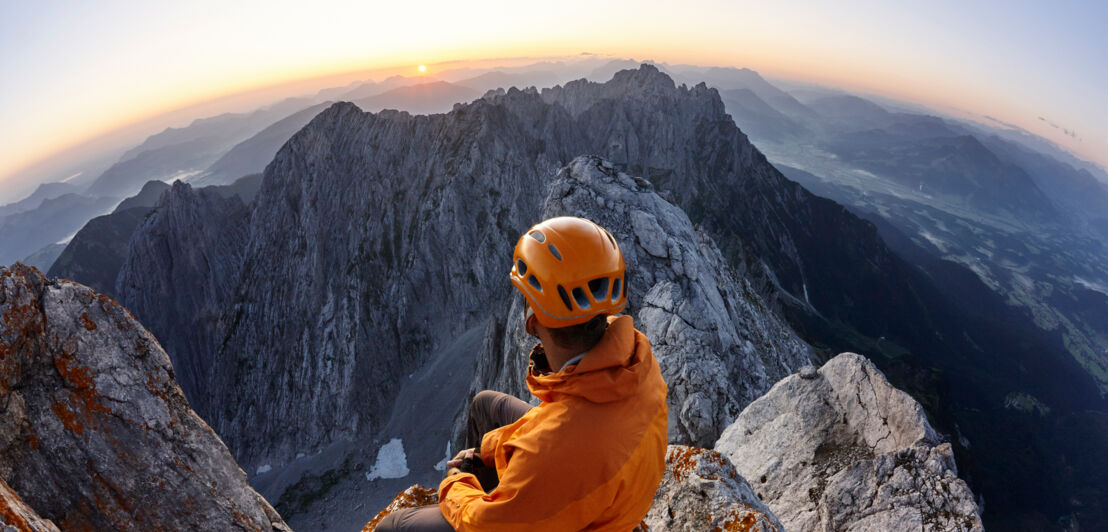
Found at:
(532, 321)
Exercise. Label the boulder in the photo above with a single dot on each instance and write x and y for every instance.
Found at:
(701, 490)
(94, 431)
(844, 450)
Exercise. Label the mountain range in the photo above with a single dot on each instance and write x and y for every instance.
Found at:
(296, 354)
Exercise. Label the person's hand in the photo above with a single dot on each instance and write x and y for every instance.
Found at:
(459, 459)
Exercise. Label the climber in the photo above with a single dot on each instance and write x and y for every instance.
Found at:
(591, 455)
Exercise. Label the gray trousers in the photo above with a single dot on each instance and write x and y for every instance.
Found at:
(489, 410)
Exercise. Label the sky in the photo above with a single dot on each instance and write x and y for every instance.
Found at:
(75, 70)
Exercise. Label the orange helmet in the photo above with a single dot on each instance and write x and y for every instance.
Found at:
(570, 270)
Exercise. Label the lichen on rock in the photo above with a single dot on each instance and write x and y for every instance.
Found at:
(96, 434)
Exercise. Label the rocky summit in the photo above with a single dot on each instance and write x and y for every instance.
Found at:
(839, 448)
(95, 434)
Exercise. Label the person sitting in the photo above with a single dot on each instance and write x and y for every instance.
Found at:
(591, 455)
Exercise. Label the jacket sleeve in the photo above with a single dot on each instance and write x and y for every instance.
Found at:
(535, 493)
(489, 443)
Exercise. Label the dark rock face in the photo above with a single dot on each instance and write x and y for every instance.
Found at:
(186, 276)
(95, 434)
(96, 253)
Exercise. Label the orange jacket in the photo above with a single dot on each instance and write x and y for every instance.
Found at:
(590, 457)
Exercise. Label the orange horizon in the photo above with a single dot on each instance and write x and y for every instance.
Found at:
(862, 78)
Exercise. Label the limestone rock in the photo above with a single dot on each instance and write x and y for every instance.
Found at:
(845, 450)
(16, 516)
(94, 431)
(717, 342)
(702, 491)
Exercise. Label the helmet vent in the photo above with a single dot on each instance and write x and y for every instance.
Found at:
(612, 240)
(537, 235)
(599, 288)
(579, 297)
(521, 267)
(554, 251)
(534, 282)
(617, 286)
(565, 297)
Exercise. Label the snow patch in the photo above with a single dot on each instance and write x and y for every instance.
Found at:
(391, 462)
(263, 469)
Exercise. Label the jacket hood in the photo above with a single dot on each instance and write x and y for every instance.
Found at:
(612, 370)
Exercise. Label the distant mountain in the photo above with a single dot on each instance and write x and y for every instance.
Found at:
(725, 79)
(852, 112)
(147, 197)
(251, 155)
(57, 219)
(96, 253)
(757, 118)
(426, 98)
(370, 89)
(44, 258)
(959, 168)
(44, 191)
(224, 126)
(606, 71)
(1076, 191)
(180, 153)
(505, 80)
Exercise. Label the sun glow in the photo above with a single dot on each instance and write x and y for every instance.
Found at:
(422, 68)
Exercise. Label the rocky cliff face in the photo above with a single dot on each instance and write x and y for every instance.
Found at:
(842, 449)
(717, 342)
(358, 264)
(95, 434)
(180, 275)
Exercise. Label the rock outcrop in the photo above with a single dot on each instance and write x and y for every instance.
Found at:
(702, 491)
(16, 515)
(94, 432)
(842, 449)
(718, 344)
